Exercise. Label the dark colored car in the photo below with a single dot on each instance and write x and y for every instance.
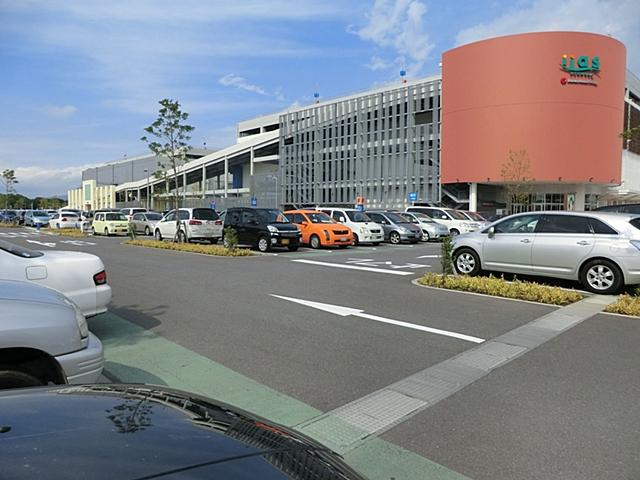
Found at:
(8, 216)
(623, 208)
(115, 431)
(262, 228)
(396, 227)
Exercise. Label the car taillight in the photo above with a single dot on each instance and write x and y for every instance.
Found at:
(218, 222)
(100, 278)
(195, 222)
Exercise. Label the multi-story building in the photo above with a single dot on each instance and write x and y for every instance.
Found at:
(559, 100)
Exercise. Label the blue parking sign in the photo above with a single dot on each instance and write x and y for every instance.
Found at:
(213, 205)
(254, 202)
(413, 196)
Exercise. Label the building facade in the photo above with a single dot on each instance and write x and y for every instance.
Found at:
(92, 196)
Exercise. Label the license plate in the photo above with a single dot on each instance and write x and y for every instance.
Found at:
(344, 239)
(285, 241)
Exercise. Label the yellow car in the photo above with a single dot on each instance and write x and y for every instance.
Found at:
(107, 223)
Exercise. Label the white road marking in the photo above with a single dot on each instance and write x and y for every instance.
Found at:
(429, 256)
(353, 267)
(77, 243)
(369, 262)
(45, 244)
(346, 311)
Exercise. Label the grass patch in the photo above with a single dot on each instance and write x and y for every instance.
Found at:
(626, 305)
(9, 225)
(65, 232)
(499, 287)
(217, 250)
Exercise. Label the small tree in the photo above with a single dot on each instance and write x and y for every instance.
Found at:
(9, 180)
(446, 259)
(230, 238)
(171, 142)
(516, 174)
(631, 134)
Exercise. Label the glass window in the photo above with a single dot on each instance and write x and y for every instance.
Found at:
(271, 215)
(320, 217)
(152, 216)
(18, 250)
(564, 224)
(205, 214)
(171, 216)
(183, 214)
(298, 218)
(138, 217)
(520, 224)
(249, 216)
(232, 217)
(396, 218)
(376, 217)
(601, 228)
(115, 216)
(635, 222)
(456, 214)
(358, 217)
(337, 215)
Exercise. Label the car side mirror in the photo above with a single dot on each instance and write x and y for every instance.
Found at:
(491, 232)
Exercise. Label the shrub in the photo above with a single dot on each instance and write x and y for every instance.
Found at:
(499, 287)
(217, 250)
(626, 305)
(446, 260)
(230, 238)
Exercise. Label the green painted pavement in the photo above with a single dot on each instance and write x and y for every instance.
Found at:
(136, 355)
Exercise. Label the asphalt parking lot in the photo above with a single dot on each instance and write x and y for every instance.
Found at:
(294, 335)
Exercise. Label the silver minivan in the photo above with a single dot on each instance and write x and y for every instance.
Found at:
(600, 250)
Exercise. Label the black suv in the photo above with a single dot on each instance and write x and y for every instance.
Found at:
(263, 228)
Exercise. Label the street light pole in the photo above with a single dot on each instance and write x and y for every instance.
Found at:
(146, 170)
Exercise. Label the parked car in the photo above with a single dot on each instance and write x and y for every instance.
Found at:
(65, 220)
(44, 338)
(113, 431)
(129, 212)
(8, 216)
(601, 250)
(364, 229)
(52, 213)
(109, 223)
(263, 228)
(145, 222)
(431, 230)
(454, 220)
(622, 208)
(34, 217)
(79, 213)
(319, 230)
(80, 276)
(396, 228)
(195, 224)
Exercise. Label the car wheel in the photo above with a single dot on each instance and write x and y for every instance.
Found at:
(425, 236)
(315, 241)
(18, 379)
(454, 232)
(106, 231)
(293, 248)
(356, 240)
(147, 232)
(601, 276)
(213, 240)
(182, 237)
(158, 235)
(394, 237)
(263, 244)
(466, 262)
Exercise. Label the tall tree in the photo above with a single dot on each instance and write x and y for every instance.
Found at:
(170, 141)
(516, 175)
(9, 180)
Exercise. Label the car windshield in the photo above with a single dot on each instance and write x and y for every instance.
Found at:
(635, 222)
(115, 216)
(397, 218)
(68, 215)
(271, 216)
(39, 214)
(205, 214)
(456, 214)
(476, 216)
(18, 250)
(423, 218)
(358, 217)
(319, 217)
(154, 216)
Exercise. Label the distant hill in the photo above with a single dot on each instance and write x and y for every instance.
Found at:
(16, 200)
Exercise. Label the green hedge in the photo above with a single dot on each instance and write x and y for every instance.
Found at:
(217, 250)
(501, 288)
(626, 305)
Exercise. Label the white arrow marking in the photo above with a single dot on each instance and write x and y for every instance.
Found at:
(77, 243)
(346, 311)
(46, 244)
(353, 267)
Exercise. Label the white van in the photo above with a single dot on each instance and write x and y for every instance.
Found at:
(364, 229)
(454, 220)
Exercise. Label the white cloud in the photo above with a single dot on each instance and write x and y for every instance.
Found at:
(618, 18)
(398, 24)
(64, 111)
(232, 80)
(377, 63)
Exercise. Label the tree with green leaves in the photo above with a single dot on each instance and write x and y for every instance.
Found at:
(9, 180)
(631, 134)
(170, 137)
(516, 175)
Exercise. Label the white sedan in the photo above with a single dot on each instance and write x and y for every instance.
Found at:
(79, 276)
(65, 220)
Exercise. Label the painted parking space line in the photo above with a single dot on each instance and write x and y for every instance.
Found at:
(429, 256)
(353, 267)
(348, 311)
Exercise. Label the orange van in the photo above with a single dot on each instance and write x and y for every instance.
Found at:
(319, 229)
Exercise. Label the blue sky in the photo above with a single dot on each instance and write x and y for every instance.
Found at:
(81, 79)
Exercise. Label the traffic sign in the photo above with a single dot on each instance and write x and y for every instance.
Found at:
(413, 196)
(254, 202)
